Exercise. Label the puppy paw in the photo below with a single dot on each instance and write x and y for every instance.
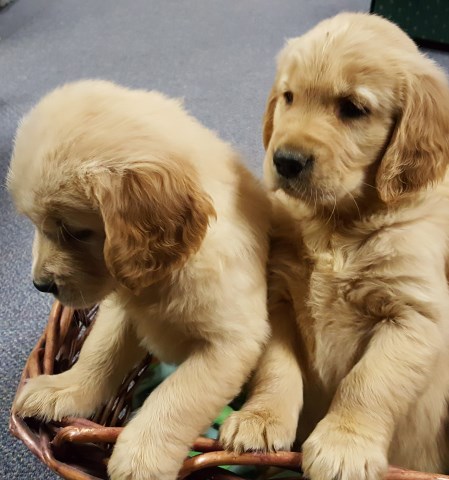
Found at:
(49, 397)
(248, 430)
(335, 450)
(138, 455)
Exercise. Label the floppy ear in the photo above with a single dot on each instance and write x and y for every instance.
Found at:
(155, 217)
(418, 153)
(268, 118)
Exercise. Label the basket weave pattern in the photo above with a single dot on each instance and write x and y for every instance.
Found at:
(79, 448)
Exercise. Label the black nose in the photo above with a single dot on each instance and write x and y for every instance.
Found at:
(46, 287)
(289, 164)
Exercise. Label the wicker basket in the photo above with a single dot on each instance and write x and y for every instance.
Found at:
(79, 448)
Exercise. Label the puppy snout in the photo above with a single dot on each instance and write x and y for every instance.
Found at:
(289, 164)
(46, 287)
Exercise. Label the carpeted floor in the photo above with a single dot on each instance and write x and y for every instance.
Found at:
(217, 54)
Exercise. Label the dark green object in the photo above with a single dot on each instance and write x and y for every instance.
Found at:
(427, 22)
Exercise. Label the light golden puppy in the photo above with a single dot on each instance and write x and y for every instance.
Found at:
(139, 207)
(357, 139)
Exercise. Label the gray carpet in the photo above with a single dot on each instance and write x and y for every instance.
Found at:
(218, 55)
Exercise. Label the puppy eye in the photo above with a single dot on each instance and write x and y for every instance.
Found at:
(288, 97)
(79, 235)
(349, 110)
(82, 234)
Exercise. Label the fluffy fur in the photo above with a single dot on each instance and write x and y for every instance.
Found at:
(358, 292)
(139, 207)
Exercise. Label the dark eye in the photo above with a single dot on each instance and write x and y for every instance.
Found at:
(349, 110)
(288, 96)
(82, 234)
(79, 235)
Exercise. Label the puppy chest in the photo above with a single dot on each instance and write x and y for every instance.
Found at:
(337, 328)
(168, 339)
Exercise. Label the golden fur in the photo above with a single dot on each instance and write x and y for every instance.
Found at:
(358, 292)
(139, 207)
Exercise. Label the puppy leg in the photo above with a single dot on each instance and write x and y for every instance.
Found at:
(269, 418)
(155, 442)
(107, 355)
(352, 440)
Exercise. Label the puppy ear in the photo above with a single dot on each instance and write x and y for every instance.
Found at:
(418, 153)
(268, 117)
(155, 217)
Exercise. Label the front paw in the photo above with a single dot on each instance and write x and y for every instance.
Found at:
(264, 431)
(139, 455)
(335, 450)
(52, 397)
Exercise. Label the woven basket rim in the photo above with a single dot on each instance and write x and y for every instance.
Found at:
(47, 438)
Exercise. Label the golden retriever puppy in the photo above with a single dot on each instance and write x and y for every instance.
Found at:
(139, 207)
(357, 145)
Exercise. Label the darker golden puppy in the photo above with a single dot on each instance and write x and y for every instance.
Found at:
(356, 134)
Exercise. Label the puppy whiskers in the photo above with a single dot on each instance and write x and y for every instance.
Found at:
(369, 185)
(331, 216)
(83, 299)
(355, 203)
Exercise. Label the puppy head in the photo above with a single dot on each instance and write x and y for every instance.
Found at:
(355, 107)
(111, 205)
